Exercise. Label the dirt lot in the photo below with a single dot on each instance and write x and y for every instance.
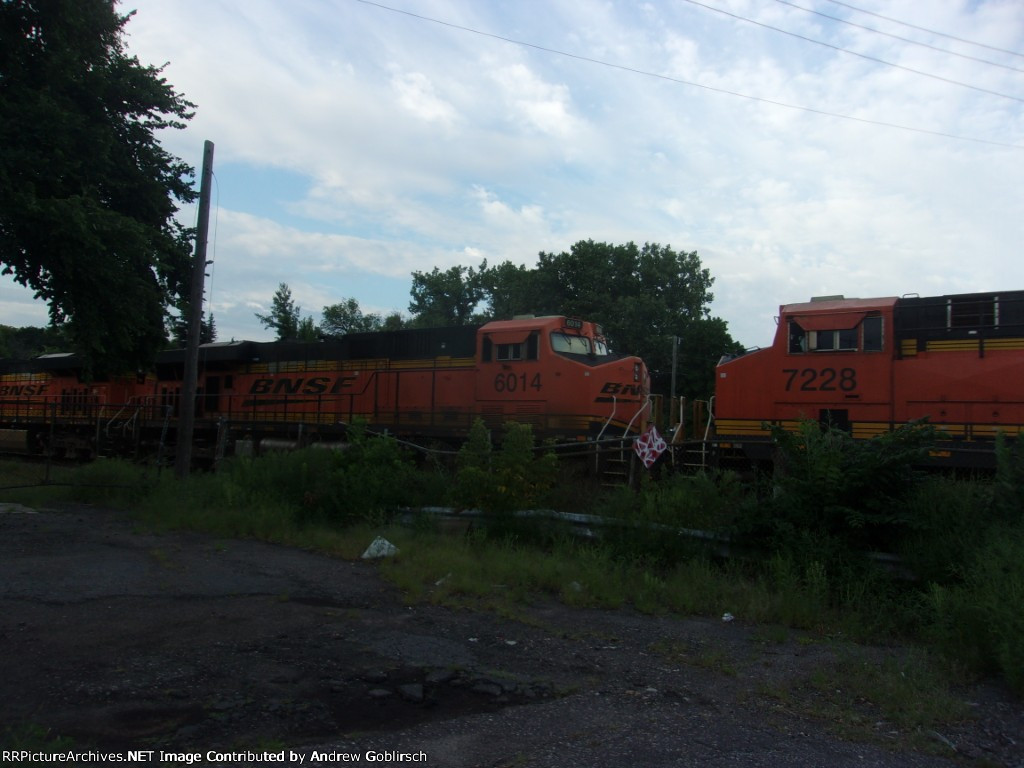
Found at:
(235, 650)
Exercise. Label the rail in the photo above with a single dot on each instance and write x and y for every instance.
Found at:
(129, 422)
(707, 432)
(640, 410)
(615, 407)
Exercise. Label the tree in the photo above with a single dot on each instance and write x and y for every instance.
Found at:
(509, 289)
(88, 196)
(307, 330)
(284, 317)
(346, 317)
(207, 330)
(446, 298)
(644, 297)
(29, 341)
(701, 345)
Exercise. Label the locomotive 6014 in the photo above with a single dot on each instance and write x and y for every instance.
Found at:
(869, 365)
(554, 373)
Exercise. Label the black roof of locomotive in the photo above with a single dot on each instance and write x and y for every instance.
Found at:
(405, 344)
(962, 315)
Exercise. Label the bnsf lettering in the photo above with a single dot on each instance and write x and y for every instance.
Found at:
(316, 385)
(615, 388)
(22, 390)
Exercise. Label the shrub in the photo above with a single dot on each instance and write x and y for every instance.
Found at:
(981, 622)
(834, 497)
(503, 481)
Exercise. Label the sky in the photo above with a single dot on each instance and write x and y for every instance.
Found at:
(801, 148)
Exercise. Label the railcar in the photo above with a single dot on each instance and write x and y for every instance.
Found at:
(869, 365)
(555, 373)
(47, 405)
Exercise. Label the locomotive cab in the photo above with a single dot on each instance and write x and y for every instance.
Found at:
(830, 362)
(558, 374)
(869, 365)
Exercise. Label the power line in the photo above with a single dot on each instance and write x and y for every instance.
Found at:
(925, 29)
(854, 53)
(897, 37)
(690, 83)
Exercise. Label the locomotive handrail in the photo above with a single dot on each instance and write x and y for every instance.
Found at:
(113, 418)
(615, 406)
(711, 417)
(640, 410)
(707, 432)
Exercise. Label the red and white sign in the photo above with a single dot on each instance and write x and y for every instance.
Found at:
(649, 446)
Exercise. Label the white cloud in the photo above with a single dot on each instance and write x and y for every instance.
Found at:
(416, 94)
(425, 145)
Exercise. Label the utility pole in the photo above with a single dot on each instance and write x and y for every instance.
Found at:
(187, 406)
(675, 357)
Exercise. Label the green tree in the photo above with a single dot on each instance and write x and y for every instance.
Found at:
(347, 317)
(702, 343)
(29, 341)
(446, 298)
(88, 196)
(307, 330)
(509, 289)
(284, 316)
(207, 330)
(644, 297)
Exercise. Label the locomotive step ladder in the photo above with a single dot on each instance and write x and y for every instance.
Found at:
(617, 463)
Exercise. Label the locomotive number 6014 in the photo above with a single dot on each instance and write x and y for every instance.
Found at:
(510, 382)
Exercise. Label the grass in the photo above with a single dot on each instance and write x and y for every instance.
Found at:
(338, 503)
(905, 699)
(34, 738)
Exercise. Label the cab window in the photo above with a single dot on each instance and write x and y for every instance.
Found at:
(872, 334)
(797, 338)
(833, 341)
(866, 337)
(527, 349)
(510, 352)
(564, 343)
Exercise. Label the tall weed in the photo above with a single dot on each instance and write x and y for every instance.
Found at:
(501, 482)
(834, 497)
(981, 622)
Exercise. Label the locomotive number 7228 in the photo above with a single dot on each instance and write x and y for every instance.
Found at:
(820, 380)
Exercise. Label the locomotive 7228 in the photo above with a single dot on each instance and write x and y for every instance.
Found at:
(554, 373)
(869, 365)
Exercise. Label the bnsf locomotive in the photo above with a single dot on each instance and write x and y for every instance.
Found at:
(554, 373)
(869, 365)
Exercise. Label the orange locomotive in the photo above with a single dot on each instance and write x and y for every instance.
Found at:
(46, 406)
(555, 373)
(869, 365)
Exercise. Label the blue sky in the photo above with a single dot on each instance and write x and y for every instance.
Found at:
(357, 142)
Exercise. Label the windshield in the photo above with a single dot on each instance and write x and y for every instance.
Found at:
(561, 342)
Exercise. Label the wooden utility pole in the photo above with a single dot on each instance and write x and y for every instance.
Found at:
(187, 406)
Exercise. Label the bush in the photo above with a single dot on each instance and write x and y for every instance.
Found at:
(834, 497)
(948, 519)
(981, 622)
(503, 481)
